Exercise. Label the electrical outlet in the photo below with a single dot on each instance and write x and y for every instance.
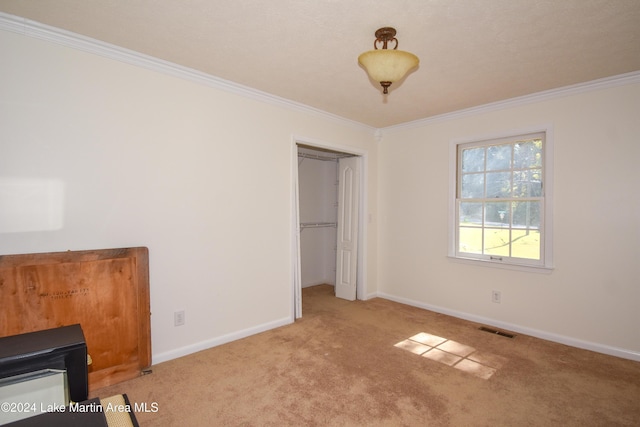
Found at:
(495, 297)
(178, 318)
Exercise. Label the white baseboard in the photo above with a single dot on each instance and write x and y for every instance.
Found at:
(549, 336)
(214, 342)
(574, 342)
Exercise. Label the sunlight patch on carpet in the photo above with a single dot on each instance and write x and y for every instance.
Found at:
(451, 353)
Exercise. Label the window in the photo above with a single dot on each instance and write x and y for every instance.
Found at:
(500, 204)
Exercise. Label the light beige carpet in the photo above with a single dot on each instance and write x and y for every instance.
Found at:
(380, 363)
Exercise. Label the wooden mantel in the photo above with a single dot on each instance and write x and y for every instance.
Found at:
(106, 291)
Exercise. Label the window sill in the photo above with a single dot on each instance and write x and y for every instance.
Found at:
(504, 266)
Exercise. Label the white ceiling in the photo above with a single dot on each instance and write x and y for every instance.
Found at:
(472, 52)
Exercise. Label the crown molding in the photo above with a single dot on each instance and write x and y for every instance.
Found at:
(607, 82)
(76, 41)
(86, 44)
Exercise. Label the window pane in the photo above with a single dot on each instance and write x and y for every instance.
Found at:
(497, 214)
(470, 240)
(498, 184)
(472, 186)
(527, 183)
(526, 215)
(499, 157)
(471, 214)
(500, 200)
(525, 244)
(496, 241)
(473, 160)
(527, 154)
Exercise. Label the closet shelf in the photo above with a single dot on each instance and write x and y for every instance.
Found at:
(304, 225)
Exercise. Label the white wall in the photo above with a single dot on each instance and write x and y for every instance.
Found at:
(118, 156)
(318, 198)
(592, 297)
(121, 156)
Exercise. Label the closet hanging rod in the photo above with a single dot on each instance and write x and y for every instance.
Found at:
(317, 157)
(317, 225)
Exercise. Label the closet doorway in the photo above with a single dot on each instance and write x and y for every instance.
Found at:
(328, 224)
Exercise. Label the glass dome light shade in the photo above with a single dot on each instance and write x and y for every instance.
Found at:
(385, 65)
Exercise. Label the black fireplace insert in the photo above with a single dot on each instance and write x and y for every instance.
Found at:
(61, 348)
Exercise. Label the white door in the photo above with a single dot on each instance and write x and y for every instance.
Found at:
(297, 270)
(347, 241)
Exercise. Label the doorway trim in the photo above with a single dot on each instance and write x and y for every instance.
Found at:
(296, 278)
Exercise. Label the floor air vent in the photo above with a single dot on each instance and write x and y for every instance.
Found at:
(497, 332)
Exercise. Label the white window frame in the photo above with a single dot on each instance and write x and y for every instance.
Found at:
(546, 262)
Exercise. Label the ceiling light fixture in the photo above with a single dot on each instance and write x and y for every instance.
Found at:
(385, 65)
